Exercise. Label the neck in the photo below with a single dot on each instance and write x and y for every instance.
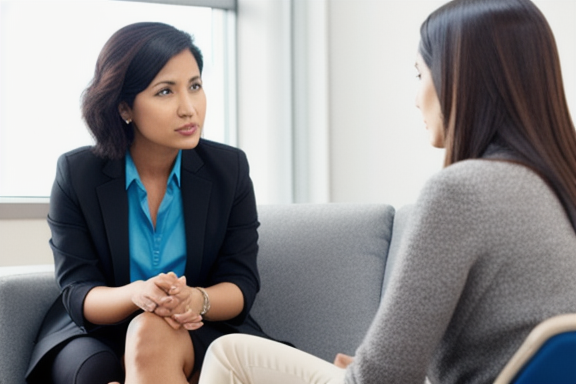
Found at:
(153, 164)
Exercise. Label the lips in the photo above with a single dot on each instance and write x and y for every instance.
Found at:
(188, 129)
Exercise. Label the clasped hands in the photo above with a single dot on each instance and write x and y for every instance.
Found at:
(169, 297)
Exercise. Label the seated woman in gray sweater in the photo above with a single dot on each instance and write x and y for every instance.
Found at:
(490, 250)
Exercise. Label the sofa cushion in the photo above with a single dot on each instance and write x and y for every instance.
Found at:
(322, 268)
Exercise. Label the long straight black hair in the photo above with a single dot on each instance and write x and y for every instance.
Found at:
(496, 70)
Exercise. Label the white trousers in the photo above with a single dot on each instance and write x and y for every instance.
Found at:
(245, 359)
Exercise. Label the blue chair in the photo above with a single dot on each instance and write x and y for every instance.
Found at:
(548, 356)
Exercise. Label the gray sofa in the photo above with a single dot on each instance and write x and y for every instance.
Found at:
(323, 269)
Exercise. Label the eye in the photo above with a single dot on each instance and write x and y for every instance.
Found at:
(164, 92)
(196, 86)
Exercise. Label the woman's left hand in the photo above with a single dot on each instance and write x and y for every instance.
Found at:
(182, 305)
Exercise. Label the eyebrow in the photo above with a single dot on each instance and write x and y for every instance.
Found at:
(169, 82)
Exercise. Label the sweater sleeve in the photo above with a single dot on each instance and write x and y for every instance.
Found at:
(436, 253)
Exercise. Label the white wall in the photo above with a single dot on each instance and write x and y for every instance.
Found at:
(24, 242)
(375, 147)
(380, 150)
(379, 147)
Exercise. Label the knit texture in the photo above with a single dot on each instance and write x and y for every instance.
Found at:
(488, 253)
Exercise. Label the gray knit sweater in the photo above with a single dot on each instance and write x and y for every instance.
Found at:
(488, 254)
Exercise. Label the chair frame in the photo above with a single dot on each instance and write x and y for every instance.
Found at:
(536, 339)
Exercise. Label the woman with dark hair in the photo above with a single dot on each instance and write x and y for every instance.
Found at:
(154, 229)
(489, 251)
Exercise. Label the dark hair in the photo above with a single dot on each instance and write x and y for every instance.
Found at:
(496, 70)
(129, 61)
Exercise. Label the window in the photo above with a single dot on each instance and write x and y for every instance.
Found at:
(48, 50)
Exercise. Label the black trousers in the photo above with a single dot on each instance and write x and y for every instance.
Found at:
(86, 360)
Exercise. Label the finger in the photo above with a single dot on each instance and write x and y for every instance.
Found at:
(146, 305)
(193, 326)
(165, 280)
(153, 295)
(164, 285)
(163, 312)
(170, 302)
(342, 360)
(174, 290)
(178, 286)
(188, 315)
(174, 324)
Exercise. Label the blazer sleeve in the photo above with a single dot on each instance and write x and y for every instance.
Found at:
(237, 257)
(75, 257)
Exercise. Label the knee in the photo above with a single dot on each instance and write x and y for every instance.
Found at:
(229, 346)
(224, 343)
(146, 329)
(150, 336)
(152, 343)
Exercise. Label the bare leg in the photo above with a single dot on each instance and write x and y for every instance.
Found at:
(157, 353)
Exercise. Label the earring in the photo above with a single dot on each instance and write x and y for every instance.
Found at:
(128, 121)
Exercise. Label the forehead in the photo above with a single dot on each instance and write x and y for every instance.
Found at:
(182, 63)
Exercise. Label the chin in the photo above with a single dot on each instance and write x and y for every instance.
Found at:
(191, 143)
(190, 146)
(437, 142)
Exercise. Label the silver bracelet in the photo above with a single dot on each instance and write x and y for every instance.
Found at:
(206, 306)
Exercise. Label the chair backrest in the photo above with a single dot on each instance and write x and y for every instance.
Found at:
(547, 356)
(322, 267)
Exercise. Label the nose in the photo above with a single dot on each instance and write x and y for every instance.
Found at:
(186, 105)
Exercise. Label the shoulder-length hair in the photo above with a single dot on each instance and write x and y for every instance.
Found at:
(128, 62)
(496, 69)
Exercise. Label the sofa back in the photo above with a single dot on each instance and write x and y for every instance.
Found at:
(322, 268)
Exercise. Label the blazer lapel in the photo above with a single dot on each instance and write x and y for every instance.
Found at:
(195, 200)
(114, 204)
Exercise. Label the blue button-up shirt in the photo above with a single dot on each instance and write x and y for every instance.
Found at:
(160, 249)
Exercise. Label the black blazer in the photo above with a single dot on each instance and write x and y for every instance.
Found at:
(88, 218)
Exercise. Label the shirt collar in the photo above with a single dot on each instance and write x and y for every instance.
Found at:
(133, 176)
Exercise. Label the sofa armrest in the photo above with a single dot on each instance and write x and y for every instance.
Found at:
(24, 299)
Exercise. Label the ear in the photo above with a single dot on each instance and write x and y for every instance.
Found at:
(125, 111)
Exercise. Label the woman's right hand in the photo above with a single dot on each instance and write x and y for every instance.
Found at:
(151, 294)
(159, 295)
(182, 305)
